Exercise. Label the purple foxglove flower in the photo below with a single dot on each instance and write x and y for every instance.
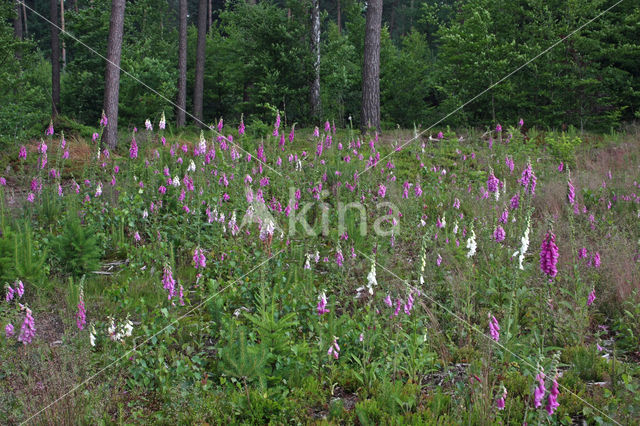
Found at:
(382, 190)
(592, 297)
(515, 201)
(501, 401)
(9, 295)
(81, 316)
(494, 328)
(552, 401)
(8, 330)
(571, 193)
(493, 183)
(133, 151)
(549, 255)
(540, 390)
(322, 305)
(168, 283)
(28, 329)
(499, 234)
(387, 301)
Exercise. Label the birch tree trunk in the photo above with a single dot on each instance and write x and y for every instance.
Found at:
(315, 46)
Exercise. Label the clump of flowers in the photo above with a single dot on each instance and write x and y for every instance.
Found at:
(499, 234)
(549, 255)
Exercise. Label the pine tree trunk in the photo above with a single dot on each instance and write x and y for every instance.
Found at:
(198, 86)
(112, 74)
(55, 59)
(370, 117)
(339, 17)
(17, 23)
(315, 47)
(24, 16)
(64, 50)
(182, 65)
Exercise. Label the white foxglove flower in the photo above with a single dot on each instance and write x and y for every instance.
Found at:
(176, 181)
(192, 167)
(127, 328)
(525, 243)
(99, 189)
(202, 145)
(471, 244)
(92, 336)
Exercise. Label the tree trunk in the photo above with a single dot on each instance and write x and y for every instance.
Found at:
(370, 117)
(315, 47)
(55, 59)
(17, 23)
(24, 15)
(198, 86)
(182, 65)
(112, 74)
(339, 12)
(210, 16)
(64, 50)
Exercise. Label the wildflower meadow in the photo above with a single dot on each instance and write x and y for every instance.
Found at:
(315, 275)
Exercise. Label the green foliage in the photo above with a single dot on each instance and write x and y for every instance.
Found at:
(240, 359)
(21, 255)
(407, 78)
(563, 147)
(25, 81)
(77, 247)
